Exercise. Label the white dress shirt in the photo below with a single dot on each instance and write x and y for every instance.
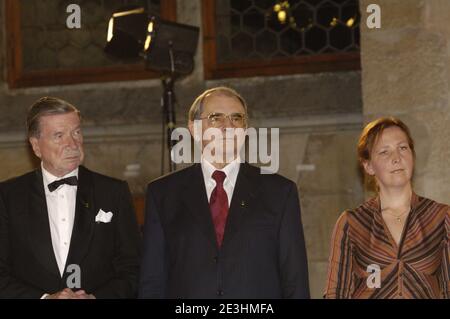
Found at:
(61, 215)
(231, 170)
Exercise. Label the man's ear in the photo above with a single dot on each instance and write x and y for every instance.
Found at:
(35, 145)
(368, 168)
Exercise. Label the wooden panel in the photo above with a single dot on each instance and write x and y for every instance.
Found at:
(291, 65)
(209, 38)
(14, 49)
(304, 64)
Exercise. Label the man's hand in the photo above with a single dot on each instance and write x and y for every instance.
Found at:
(81, 294)
(68, 293)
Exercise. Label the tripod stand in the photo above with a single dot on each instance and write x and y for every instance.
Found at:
(169, 121)
(168, 107)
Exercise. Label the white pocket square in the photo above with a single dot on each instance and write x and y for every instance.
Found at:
(103, 217)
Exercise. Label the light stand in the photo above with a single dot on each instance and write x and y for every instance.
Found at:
(166, 46)
(168, 107)
(170, 48)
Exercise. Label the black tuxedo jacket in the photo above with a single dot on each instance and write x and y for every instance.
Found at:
(107, 253)
(263, 251)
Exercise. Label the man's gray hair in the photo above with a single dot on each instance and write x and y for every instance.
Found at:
(197, 107)
(46, 106)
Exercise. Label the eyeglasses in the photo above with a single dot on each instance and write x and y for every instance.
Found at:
(218, 119)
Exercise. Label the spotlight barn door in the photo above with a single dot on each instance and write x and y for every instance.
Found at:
(172, 38)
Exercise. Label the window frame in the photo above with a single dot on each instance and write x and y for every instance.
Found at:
(17, 77)
(331, 62)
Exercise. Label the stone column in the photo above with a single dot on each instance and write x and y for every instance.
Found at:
(405, 73)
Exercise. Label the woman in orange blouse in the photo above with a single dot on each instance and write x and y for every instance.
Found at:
(395, 245)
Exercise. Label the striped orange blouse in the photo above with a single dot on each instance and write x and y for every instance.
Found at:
(362, 248)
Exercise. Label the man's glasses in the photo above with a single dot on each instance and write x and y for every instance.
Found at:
(218, 119)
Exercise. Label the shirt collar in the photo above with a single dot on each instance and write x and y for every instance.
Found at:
(50, 178)
(231, 170)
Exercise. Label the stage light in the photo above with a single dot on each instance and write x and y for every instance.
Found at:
(166, 47)
(170, 47)
(126, 33)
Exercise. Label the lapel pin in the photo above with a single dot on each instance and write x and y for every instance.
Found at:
(243, 203)
(86, 205)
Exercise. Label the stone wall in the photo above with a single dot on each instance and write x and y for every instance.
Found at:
(319, 116)
(406, 73)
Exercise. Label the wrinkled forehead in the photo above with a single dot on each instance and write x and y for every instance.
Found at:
(59, 121)
(223, 102)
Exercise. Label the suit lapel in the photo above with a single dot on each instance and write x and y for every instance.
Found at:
(195, 201)
(83, 226)
(39, 225)
(244, 196)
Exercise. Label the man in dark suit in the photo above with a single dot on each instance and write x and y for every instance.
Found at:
(65, 231)
(221, 229)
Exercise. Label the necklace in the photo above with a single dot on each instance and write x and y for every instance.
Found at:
(397, 217)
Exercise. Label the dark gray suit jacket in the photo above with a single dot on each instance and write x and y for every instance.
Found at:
(263, 252)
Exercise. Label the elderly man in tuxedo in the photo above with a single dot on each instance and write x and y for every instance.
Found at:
(221, 229)
(65, 231)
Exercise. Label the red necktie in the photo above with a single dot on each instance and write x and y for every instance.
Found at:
(218, 204)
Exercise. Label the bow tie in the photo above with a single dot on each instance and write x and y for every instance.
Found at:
(72, 180)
